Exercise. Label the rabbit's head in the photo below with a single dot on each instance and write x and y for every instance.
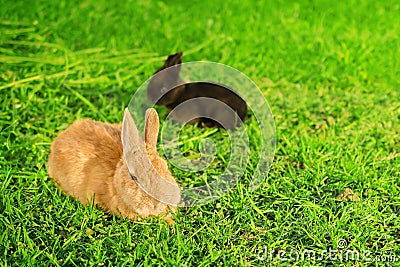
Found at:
(145, 166)
(159, 89)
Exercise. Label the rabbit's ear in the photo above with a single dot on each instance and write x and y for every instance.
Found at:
(151, 127)
(131, 140)
(173, 60)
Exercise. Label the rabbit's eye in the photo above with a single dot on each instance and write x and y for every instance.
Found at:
(163, 89)
(133, 177)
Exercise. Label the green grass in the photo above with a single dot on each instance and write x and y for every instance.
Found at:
(330, 71)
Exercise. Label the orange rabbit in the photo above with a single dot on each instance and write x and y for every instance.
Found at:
(113, 167)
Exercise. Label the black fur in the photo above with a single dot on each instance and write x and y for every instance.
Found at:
(214, 114)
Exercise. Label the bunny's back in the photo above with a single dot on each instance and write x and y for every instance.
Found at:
(83, 159)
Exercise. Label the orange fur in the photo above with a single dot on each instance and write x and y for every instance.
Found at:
(86, 161)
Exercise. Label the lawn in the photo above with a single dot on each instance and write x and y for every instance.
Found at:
(330, 71)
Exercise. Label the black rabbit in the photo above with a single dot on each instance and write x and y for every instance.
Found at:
(204, 99)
